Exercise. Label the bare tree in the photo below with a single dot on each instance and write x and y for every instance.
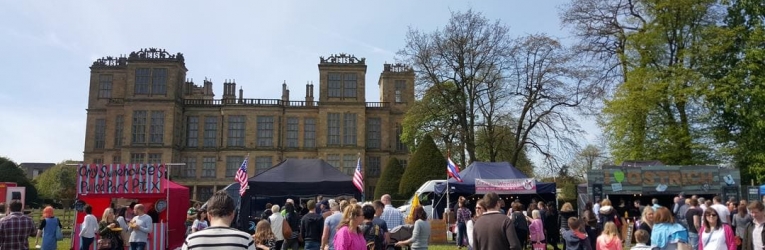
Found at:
(589, 158)
(603, 27)
(470, 52)
(548, 84)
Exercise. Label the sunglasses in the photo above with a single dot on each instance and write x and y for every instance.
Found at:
(711, 215)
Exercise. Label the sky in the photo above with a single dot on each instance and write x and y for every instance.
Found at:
(47, 48)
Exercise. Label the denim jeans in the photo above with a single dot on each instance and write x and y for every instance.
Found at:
(693, 239)
(137, 245)
(85, 243)
(461, 233)
(312, 245)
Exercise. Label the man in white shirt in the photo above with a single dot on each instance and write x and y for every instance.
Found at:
(721, 209)
(140, 227)
(277, 222)
(754, 236)
(391, 215)
(88, 229)
(596, 209)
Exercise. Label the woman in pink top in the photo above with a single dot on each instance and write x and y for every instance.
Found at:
(349, 235)
(536, 228)
(609, 239)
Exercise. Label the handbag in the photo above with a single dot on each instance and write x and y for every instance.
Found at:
(539, 246)
(104, 243)
(286, 229)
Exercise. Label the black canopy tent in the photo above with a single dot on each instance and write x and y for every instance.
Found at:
(294, 178)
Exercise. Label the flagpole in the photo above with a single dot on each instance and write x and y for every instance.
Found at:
(448, 154)
(363, 183)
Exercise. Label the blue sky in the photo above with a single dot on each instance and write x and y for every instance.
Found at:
(47, 47)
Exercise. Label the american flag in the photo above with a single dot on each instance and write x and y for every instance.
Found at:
(241, 177)
(358, 177)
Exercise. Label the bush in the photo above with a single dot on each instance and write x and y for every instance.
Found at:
(426, 164)
(389, 180)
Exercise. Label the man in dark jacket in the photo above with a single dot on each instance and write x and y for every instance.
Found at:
(311, 227)
(494, 230)
(752, 240)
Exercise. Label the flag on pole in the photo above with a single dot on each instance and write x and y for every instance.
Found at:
(415, 203)
(241, 176)
(358, 177)
(452, 169)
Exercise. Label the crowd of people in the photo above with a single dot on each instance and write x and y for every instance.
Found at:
(688, 223)
(336, 224)
(128, 228)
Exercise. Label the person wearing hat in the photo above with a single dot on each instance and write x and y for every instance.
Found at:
(191, 215)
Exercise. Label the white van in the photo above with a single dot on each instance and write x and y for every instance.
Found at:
(426, 196)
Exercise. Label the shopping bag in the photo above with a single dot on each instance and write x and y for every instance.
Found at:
(539, 246)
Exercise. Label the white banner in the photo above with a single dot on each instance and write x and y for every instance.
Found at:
(506, 186)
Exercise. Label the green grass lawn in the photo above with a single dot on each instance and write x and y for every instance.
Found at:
(62, 245)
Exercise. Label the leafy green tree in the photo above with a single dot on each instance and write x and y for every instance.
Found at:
(657, 109)
(11, 172)
(434, 116)
(389, 179)
(59, 182)
(733, 62)
(427, 163)
(504, 150)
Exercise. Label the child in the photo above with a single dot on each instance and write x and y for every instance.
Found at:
(264, 238)
(642, 238)
(609, 239)
(575, 236)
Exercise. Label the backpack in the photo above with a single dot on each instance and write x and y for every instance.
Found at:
(371, 233)
(618, 223)
(520, 224)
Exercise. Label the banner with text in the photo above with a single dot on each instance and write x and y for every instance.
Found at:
(506, 186)
(120, 179)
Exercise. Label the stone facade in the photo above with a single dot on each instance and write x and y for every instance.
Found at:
(143, 109)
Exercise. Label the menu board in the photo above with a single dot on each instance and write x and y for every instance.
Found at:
(753, 193)
(730, 192)
(597, 192)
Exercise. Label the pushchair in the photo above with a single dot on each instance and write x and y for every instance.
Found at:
(399, 233)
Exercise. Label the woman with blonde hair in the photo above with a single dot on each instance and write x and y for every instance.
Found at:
(47, 229)
(109, 230)
(536, 229)
(349, 235)
(646, 220)
(264, 238)
(566, 211)
(609, 239)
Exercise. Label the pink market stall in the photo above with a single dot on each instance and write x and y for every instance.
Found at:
(102, 186)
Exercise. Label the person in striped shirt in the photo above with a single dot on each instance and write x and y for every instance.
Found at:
(219, 235)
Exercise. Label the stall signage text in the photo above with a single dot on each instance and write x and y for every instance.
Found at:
(121, 179)
(655, 177)
(506, 186)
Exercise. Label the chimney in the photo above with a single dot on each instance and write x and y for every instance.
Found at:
(309, 94)
(208, 87)
(229, 90)
(285, 92)
(241, 95)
